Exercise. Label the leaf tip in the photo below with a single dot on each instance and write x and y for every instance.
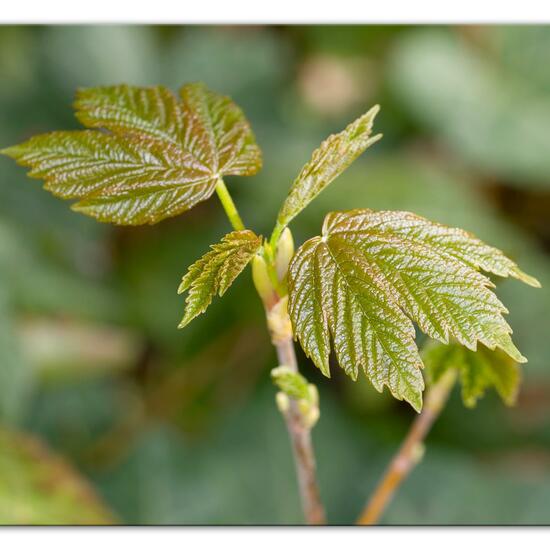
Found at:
(504, 342)
(374, 139)
(183, 323)
(183, 286)
(373, 111)
(415, 401)
(323, 366)
(527, 279)
(469, 402)
(78, 207)
(514, 353)
(510, 400)
(11, 151)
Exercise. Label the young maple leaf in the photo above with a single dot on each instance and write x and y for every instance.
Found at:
(329, 160)
(358, 288)
(154, 157)
(362, 283)
(216, 270)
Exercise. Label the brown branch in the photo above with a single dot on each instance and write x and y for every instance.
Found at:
(300, 438)
(298, 429)
(410, 452)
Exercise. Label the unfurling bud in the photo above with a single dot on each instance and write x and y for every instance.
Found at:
(262, 282)
(294, 386)
(285, 251)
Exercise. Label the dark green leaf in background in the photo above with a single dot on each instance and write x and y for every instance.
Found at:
(490, 114)
(37, 487)
(477, 370)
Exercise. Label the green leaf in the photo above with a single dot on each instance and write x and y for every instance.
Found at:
(231, 146)
(38, 487)
(334, 155)
(291, 382)
(293, 385)
(153, 112)
(477, 370)
(160, 157)
(370, 274)
(216, 270)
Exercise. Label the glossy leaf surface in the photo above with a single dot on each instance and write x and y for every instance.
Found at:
(216, 270)
(333, 156)
(359, 286)
(159, 157)
(478, 371)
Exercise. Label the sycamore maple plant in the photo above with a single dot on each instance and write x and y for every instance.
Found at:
(355, 290)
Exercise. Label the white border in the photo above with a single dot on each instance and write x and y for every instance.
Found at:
(317, 538)
(279, 11)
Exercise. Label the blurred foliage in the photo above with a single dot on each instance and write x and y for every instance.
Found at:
(477, 370)
(181, 426)
(37, 487)
(471, 90)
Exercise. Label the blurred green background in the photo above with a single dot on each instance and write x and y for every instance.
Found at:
(108, 413)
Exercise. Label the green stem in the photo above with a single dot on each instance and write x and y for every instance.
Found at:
(271, 270)
(300, 435)
(229, 206)
(276, 235)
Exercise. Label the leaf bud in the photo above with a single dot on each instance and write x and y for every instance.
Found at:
(285, 251)
(283, 402)
(262, 282)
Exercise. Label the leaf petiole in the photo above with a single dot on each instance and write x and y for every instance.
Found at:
(276, 235)
(229, 206)
(238, 224)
